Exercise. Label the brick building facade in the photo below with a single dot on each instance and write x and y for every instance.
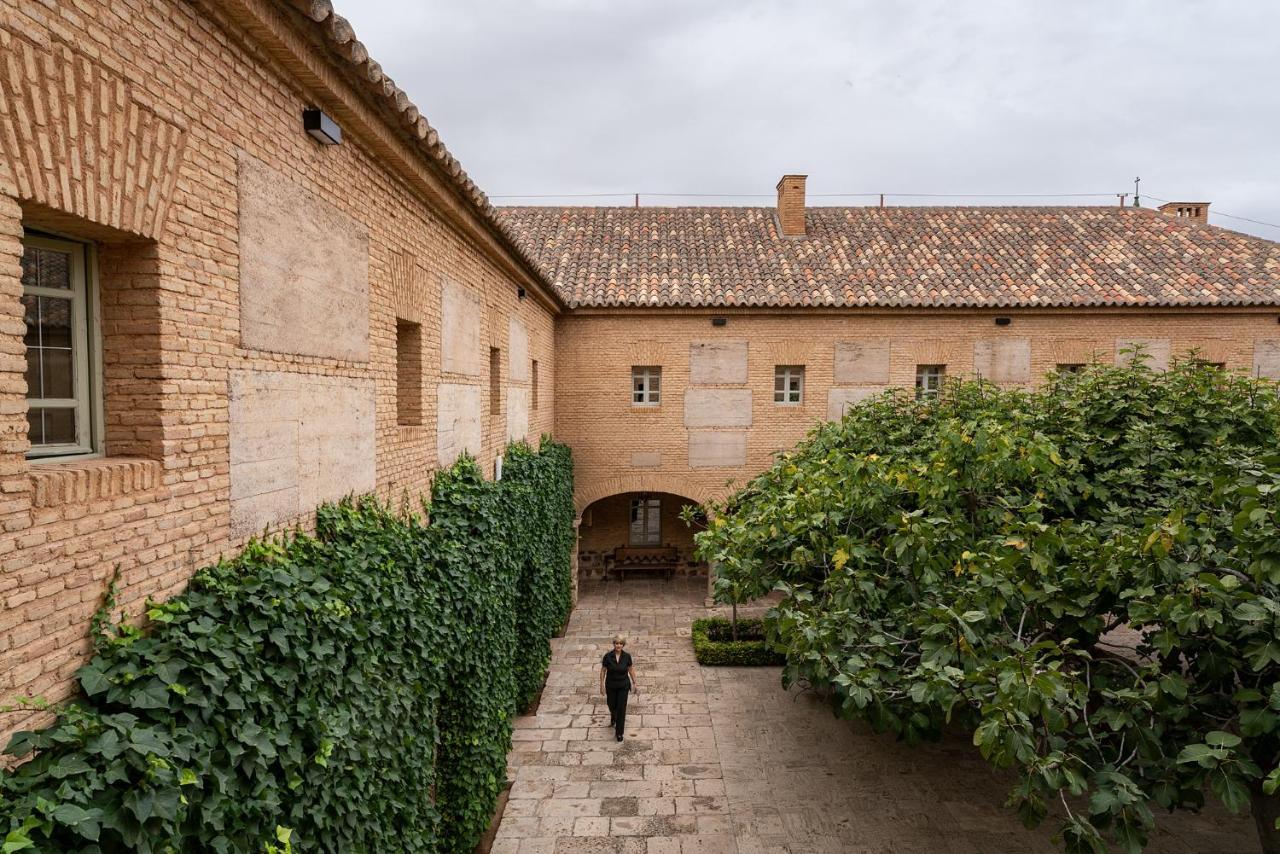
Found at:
(212, 321)
(258, 322)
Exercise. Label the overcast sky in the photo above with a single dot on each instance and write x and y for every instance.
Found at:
(866, 96)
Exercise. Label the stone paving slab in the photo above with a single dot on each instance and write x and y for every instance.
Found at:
(723, 761)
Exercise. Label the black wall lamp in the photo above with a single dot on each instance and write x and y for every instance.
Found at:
(323, 129)
(520, 293)
(1003, 321)
(719, 321)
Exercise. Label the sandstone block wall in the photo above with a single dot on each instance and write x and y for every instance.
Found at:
(251, 283)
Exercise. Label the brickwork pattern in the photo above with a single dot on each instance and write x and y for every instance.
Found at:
(124, 124)
(619, 447)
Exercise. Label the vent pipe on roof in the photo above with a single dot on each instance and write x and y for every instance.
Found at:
(1194, 211)
(791, 205)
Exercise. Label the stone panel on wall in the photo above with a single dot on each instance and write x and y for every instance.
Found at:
(717, 449)
(861, 362)
(1002, 360)
(517, 413)
(297, 440)
(304, 270)
(458, 422)
(460, 313)
(646, 459)
(1266, 358)
(518, 350)
(717, 407)
(717, 362)
(1155, 352)
(839, 399)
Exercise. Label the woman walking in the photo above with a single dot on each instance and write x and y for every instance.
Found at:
(617, 680)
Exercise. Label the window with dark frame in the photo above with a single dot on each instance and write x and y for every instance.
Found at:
(1070, 367)
(495, 381)
(788, 384)
(56, 310)
(929, 379)
(646, 385)
(646, 521)
(533, 386)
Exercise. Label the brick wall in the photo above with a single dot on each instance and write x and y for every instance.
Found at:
(718, 423)
(135, 126)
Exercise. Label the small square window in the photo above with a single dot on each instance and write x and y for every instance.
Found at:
(788, 384)
(929, 379)
(646, 385)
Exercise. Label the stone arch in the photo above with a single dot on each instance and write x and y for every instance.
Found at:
(638, 482)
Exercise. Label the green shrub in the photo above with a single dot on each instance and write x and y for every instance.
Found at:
(962, 561)
(351, 691)
(713, 644)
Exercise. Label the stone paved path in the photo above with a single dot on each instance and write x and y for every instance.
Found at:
(723, 760)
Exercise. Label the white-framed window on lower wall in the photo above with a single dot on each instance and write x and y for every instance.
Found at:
(646, 521)
(929, 379)
(646, 385)
(60, 309)
(788, 384)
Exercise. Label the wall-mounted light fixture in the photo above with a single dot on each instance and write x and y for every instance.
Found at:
(1003, 321)
(323, 129)
(719, 321)
(520, 293)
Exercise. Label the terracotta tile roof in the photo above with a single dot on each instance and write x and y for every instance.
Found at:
(894, 257)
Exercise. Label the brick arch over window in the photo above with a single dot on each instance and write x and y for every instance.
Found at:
(671, 484)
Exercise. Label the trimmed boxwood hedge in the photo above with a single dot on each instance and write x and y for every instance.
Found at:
(713, 644)
(349, 691)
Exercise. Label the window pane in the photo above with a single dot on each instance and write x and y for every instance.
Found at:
(31, 314)
(655, 381)
(52, 426)
(46, 268)
(55, 322)
(56, 373)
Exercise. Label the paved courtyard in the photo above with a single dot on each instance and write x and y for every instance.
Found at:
(723, 760)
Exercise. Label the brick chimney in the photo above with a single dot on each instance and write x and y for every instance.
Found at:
(1194, 211)
(791, 205)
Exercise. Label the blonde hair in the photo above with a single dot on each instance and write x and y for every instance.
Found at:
(620, 639)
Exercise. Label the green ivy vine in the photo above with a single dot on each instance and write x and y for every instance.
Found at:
(347, 691)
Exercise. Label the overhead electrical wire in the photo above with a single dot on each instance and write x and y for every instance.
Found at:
(1214, 212)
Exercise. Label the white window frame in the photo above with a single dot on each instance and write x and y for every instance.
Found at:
(646, 385)
(929, 379)
(645, 509)
(87, 349)
(783, 393)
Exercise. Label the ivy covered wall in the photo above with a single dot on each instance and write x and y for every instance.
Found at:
(351, 691)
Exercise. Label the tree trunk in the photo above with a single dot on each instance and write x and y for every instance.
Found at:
(1266, 812)
(733, 628)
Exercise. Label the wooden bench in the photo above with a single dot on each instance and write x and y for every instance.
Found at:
(663, 559)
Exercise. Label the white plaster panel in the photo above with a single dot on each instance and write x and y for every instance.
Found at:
(717, 407)
(1266, 358)
(861, 362)
(460, 313)
(304, 270)
(518, 350)
(1155, 352)
(840, 399)
(517, 413)
(646, 459)
(717, 449)
(458, 424)
(297, 440)
(1003, 360)
(718, 363)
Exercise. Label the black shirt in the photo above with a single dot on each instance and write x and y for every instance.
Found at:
(616, 675)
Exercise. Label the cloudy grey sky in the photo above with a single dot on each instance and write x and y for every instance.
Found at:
(865, 96)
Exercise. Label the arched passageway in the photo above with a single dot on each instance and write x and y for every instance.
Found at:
(638, 533)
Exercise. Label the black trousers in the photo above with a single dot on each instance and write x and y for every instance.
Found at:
(616, 696)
